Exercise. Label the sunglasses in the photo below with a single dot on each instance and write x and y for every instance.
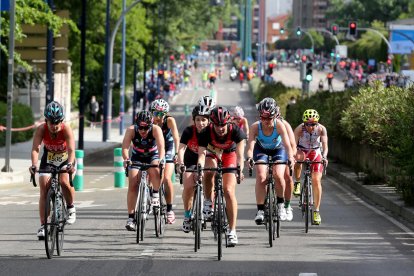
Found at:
(143, 127)
(311, 124)
(266, 118)
(220, 125)
(158, 113)
(54, 123)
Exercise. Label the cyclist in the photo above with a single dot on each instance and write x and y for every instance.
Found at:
(288, 177)
(225, 141)
(160, 109)
(147, 147)
(188, 157)
(239, 119)
(309, 135)
(269, 137)
(58, 149)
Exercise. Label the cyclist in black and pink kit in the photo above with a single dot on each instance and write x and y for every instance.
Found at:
(160, 109)
(59, 149)
(188, 157)
(147, 147)
(223, 141)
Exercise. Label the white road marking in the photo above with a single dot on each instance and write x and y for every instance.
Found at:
(308, 274)
(147, 252)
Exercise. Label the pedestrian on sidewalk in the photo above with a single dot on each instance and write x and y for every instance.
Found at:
(93, 111)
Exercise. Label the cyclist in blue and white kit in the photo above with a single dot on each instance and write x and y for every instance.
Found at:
(269, 137)
(147, 147)
(160, 109)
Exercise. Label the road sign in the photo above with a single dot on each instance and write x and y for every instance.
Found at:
(341, 51)
(5, 5)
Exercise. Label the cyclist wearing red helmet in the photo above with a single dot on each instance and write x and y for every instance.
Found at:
(223, 141)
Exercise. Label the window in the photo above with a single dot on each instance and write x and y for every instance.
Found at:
(276, 26)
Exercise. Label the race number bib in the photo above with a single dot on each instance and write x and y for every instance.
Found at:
(214, 150)
(56, 158)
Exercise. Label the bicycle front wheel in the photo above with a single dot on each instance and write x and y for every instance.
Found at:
(50, 224)
(306, 203)
(270, 214)
(61, 217)
(219, 224)
(198, 219)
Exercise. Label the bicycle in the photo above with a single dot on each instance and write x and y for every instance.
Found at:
(271, 209)
(143, 205)
(56, 212)
(306, 195)
(219, 221)
(197, 218)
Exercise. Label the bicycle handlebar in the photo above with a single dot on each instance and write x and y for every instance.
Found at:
(52, 171)
(252, 163)
(308, 162)
(143, 167)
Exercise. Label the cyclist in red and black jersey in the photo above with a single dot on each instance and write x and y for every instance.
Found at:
(223, 141)
(148, 147)
(188, 157)
(59, 149)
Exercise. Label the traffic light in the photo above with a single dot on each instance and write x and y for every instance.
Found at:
(304, 58)
(334, 29)
(282, 30)
(308, 71)
(298, 31)
(352, 28)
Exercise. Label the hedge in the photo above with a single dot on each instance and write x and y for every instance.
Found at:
(22, 117)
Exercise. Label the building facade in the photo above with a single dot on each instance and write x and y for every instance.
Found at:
(310, 13)
(274, 27)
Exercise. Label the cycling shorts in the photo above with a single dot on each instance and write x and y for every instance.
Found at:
(228, 159)
(260, 154)
(313, 155)
(169, 151)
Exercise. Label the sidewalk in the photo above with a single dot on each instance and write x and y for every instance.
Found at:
(20, 152)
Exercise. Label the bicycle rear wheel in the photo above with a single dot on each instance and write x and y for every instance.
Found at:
(61, 217)
(50, 224)
(160, 218)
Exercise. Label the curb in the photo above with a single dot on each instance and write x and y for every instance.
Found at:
(382, 195)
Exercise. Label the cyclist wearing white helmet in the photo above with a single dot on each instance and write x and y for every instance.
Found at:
(159, 110)
(239, 119)
(309, 135)
(188, 157)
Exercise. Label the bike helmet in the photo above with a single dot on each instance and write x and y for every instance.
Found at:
(200, 110)
(207, 101)
(143, 118)
(160, 105)
(268, 107)
(238, 112)
(54, 112)
(220, 115)
(310, 115)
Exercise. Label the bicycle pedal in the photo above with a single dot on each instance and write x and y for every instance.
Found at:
(41, 238)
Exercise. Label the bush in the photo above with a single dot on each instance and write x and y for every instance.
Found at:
(22, 117)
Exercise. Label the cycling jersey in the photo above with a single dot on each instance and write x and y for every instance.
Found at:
(144, 149)
(190, 138)
(168, 138)
(269, 142)
(311, 140)
(54, 149)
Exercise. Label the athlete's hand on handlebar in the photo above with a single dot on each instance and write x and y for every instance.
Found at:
(32, 169)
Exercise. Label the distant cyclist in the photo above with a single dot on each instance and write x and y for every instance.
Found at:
(147, 147)
(226, 142)
(188, 157)
(160, 109)
(240, 120)
(269, 137)
(58, 149)
(309, 135)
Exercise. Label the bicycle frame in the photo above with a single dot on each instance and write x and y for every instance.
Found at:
(306, 194)
(219, 222)
(55, 210)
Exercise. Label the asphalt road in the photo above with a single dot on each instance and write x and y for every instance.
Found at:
(355, 238)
